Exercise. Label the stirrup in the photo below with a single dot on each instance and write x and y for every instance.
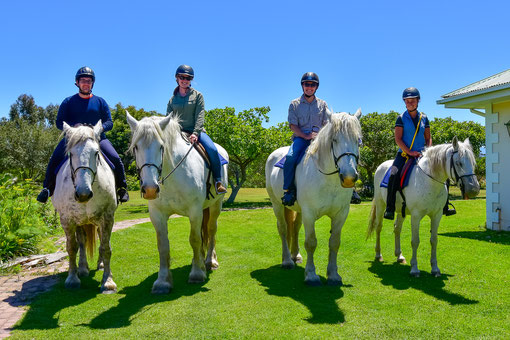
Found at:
(43, 195)
(447, 211)
(220, 189)
(389, 215)
(289, 198)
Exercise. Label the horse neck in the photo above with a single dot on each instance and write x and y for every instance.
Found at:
(440, 171)
(175, 149)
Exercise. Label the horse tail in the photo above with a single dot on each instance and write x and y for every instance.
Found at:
(290, 218)
(90, 245)
(205, 229)
(371, 222)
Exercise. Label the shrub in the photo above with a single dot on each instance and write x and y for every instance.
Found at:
(23, 221)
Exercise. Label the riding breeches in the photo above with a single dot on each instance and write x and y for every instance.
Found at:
(214, 157)
(296, 152)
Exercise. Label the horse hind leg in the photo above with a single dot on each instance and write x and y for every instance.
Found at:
(198, 271)
(434, 226)
(415, 242)
(210, 221)
(294, 242)
(285, 222)
(376, 223)
(82, 238)
(397, 230)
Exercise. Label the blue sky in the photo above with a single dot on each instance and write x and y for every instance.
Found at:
(250, 54)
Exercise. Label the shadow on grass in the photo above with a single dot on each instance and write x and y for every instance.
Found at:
(320, 301)
(45, 310)
(139, 296)
(499, 237)
(397, 276)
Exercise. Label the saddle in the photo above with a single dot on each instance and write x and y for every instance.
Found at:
(404, 174)
(281, 162)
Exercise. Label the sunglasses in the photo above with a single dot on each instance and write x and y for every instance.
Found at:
(85, 81)
(185, 78)
(310, 84)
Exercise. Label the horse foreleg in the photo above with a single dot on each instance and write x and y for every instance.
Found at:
(100, 264)
(211, 261)
(72, 281)
(334, 279)
(107, 284)
(294, 245)
(311, 278)
(434, 226)
(83, 265)
(415, 242)
(198, 273)
(284, 217)
(397, 231)
(164, 282)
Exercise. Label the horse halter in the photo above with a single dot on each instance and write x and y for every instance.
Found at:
(74, 170)
(159, 168)
(458, 179)
(337, 159)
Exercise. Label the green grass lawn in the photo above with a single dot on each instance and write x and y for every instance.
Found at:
(250, 296)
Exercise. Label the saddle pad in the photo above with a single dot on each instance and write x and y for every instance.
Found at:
(108, 161)
(404, 177)
(281, 162)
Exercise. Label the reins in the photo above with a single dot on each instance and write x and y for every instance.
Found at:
(178, 164)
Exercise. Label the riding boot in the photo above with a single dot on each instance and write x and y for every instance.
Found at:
(289, 197)
(355, 199)
(446, 209)
(123, 195)
(43, 195)
(390, 199)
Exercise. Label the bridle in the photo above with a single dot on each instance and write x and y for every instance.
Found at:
(160, 167)
(74, 170)
(337, 159)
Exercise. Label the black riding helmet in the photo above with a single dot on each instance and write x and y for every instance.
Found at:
(411, 92)
(185, 70)
(85, 71)
(310, 76)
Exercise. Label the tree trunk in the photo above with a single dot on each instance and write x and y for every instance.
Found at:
(239, 184)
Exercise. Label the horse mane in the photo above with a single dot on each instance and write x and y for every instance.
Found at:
(343, 123)
(80, 133)
(436, 155)
(148, 129)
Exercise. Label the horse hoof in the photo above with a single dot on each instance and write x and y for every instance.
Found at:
(72, 284)
(211, 266)
(108, 291)
(288, 265)
(196, 278)
(335, 282)
(379, 259)
(298, 259)
(414, 274)
(161, 288)
(83, 272)
(401, 260)
(313, 282)
(436, 273)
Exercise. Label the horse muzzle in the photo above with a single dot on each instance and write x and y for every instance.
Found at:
(150, 192)
(348, 181)
(83, 196)
(470, 187)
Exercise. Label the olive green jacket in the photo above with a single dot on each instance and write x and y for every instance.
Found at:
(189, 109)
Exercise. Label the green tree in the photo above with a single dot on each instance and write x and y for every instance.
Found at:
(244, 138)
(444, 129)
(378, 142)
(120, 134)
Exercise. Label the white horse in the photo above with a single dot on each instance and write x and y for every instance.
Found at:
(319, 192)
(85, 200)
(173, 177)
(425, 195)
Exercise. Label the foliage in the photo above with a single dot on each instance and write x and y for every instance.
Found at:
(378, 143)
(244, 138)
(444, 129)
(120, 134)
(25, 148)
(23, 221)
(251, 296)
(25, 109)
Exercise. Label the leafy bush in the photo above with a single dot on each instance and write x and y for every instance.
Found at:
(23, 221)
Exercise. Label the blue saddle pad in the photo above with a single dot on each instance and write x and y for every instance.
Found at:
(281, 162)
(108, 161)
(404, 178)
(223, 161)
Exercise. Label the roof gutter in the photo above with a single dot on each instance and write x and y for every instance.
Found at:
(476, 112)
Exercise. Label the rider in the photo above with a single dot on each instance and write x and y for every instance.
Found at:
(84, 108)
(411, 139)
(188, 104)
(307, 115)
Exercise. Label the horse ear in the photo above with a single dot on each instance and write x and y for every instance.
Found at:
(133, 123)
(164, 122)
(358, 113)
(98, 128)
(66, 128)
(467, 141)
(455, 143)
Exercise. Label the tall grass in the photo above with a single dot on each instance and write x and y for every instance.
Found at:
(251, 296)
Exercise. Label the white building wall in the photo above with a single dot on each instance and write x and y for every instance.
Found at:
(491, 176)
